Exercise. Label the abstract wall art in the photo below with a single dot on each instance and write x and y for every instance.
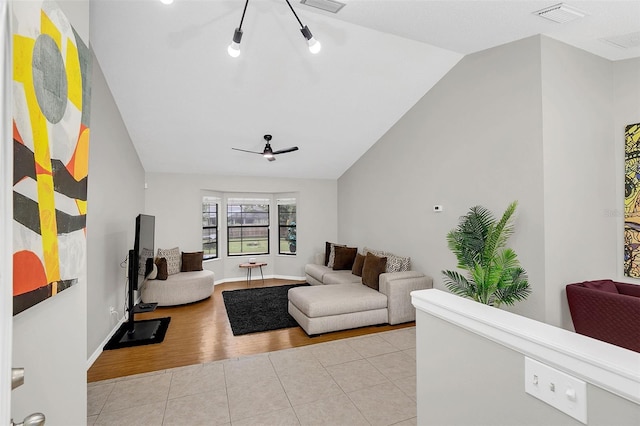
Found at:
(632, 200)
(51, 93)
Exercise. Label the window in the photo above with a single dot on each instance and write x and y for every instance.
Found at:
(287, 230)
(247, 226)
(210, 227)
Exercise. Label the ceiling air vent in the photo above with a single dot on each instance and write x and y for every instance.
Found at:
(328, 5)
(625, 41)
(560, 13)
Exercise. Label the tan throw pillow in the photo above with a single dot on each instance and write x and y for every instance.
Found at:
(161, 263)
(371, 270)
(192, 261)
(344, 257)
(358, 263)
(173, 259)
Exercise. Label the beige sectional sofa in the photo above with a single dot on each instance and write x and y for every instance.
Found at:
(337, 299)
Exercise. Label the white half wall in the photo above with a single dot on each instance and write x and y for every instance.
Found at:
(176, 202)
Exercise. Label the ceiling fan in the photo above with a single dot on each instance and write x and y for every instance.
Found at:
(269, 153)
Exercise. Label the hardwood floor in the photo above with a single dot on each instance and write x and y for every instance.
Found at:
(200, 333)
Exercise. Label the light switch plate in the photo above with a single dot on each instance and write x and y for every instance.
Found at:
(558, 389)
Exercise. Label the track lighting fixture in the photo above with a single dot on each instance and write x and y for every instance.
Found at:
(314, 45)
(234, 47)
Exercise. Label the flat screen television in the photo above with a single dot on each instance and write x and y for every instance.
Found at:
(143, 247)
(140, 265)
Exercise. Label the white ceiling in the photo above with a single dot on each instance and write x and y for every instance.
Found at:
(186, 103)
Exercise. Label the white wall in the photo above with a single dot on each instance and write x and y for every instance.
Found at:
(475, 138)
(579, 172)
(115, 198)
(176, 201)
(49, 339)
(536, 121)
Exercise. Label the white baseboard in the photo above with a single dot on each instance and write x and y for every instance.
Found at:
(94, 356)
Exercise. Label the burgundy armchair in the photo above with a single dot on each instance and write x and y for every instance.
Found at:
(607, 311)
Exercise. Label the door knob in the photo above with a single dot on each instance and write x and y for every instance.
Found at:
(35, 419)
(17, 377)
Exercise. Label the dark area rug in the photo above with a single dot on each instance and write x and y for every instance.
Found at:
(146, 332)
(258, 309)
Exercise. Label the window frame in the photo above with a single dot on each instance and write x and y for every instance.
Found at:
(245, 201)
(287, 202)
(213, 201)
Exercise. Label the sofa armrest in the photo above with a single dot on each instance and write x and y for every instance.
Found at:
(397, 286)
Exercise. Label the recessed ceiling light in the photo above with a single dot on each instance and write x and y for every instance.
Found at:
(625, 41)
(328, 5)
(560, 13)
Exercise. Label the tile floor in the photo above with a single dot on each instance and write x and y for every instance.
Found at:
(366, 380)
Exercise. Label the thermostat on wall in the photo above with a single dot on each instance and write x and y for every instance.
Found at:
(437, 208)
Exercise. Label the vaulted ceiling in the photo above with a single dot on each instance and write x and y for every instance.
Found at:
(186, 103)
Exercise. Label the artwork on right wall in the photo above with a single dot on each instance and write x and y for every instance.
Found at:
(632, 200)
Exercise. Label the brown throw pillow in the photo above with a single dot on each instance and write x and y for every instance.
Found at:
(161, 263)
(344, 257)
(358, 263)
(371, 270)
(192, 261)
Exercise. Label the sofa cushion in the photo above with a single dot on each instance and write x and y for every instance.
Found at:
(344, 257)
(341, 277)
(173, 259)
(319, 301)
(372, 268)
(358, 263)
(602, 285)
(192, 261)
(161, 263)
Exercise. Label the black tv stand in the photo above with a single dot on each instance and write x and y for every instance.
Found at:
(140, 330)
(137, 330)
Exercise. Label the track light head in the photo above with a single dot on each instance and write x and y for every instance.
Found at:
(234, 47)
(314, 45)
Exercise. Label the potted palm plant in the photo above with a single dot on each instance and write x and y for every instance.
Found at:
(494, 275)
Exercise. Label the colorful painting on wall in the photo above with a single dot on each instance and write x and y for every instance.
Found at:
(632, 201)
(51, 92)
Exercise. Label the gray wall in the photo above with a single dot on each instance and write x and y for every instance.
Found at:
(176, 201)
(536, 121)
(115, 197)
(475, 138)
(579, 142)
(49, 339)
(465, 379)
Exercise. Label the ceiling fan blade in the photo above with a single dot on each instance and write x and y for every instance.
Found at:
(284, 151)
(244, 150)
